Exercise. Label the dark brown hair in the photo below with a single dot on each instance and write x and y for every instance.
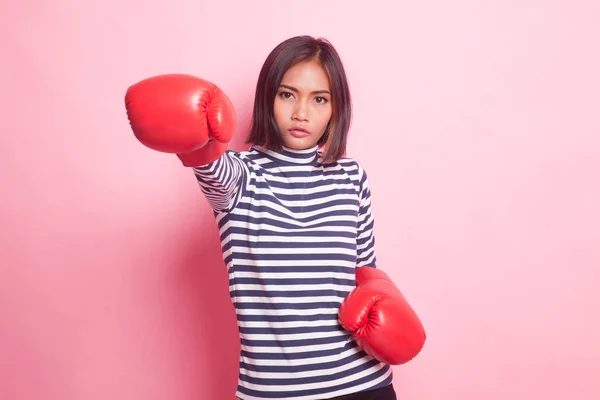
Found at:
(264, 131)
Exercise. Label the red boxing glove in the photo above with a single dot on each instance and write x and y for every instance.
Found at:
(181, 114)
(383, 323)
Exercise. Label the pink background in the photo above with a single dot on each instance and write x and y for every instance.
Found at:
(478, 124)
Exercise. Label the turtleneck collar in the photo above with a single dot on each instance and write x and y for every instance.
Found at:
(291, 156)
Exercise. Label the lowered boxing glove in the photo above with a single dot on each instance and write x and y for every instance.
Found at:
(181, 114)
(382, 322)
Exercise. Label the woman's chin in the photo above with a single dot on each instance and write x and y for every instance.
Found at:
(296, 143)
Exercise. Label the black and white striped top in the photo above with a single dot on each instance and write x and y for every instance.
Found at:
(292, 232)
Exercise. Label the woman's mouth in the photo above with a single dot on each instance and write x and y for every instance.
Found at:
(298, 132)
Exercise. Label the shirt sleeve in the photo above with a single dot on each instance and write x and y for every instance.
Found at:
(365, 241)
(221, 181)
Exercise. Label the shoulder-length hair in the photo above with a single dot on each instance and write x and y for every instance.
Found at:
(264, 131)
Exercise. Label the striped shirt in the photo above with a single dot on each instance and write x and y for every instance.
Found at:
(292, 231)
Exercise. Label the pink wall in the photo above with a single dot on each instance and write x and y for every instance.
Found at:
(478, 124)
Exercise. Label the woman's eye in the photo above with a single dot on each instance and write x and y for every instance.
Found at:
(321, 100)
(285, 95)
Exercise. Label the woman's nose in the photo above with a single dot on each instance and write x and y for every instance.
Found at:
(300, 111)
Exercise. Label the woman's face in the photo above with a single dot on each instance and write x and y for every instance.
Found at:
(303, 105)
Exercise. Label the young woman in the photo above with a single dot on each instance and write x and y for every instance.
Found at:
(293, 212)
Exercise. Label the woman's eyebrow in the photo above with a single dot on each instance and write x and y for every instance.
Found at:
(293, 89)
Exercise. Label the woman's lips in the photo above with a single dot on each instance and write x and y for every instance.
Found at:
(298, 132)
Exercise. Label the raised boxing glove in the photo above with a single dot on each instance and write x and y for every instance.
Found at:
(382, 322)
(181, 114)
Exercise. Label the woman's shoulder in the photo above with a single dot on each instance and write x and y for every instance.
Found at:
(246, 156)
(351, 165)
